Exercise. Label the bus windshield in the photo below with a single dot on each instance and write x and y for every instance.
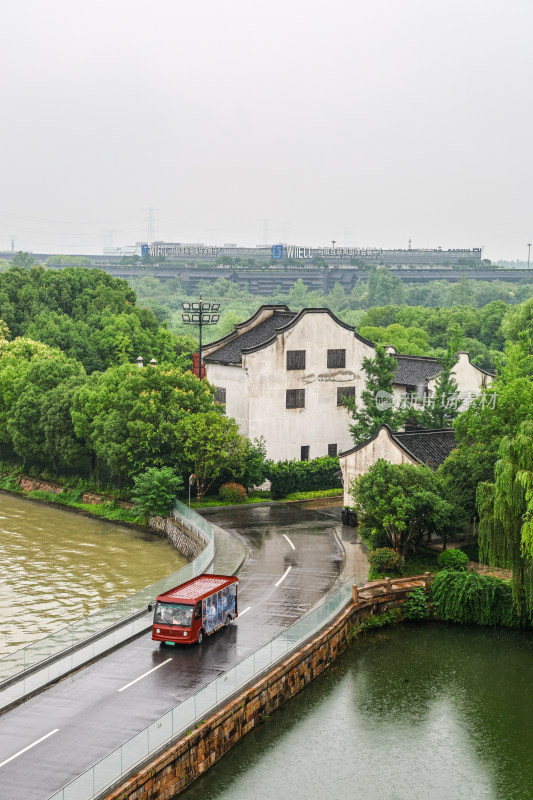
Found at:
(172, 614)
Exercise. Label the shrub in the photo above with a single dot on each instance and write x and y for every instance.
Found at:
(384, 559)
(287, 477)
(155, 490)
(473, 599)
(233, 493)
(453, 559)
(416, 606)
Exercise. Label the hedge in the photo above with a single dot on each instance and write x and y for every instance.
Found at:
(287, 477)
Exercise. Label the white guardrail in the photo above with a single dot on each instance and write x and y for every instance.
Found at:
(29, 668)
(172, 725)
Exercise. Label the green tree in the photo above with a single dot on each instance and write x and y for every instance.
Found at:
(506, 515)
(23, 260)
(444, 406)
(211, 443)
(377, 399)
(130, 417)
(384, 287)
(155, 490)
(398, 503)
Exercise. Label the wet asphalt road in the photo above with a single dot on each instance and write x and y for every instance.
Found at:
(90, 716)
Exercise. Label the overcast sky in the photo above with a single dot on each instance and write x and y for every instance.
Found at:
(370, 123)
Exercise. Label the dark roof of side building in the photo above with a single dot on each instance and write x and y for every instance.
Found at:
(415, 370)
(429, 447)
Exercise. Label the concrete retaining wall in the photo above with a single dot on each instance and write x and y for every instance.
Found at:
(180, 765)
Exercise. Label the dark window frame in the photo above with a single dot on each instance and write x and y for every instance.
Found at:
(296, 359)
(295, 398)
(332, 450)
(220, 392)
(305, 452)
(345, 391)
(337, 359)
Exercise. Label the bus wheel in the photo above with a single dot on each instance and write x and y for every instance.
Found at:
(228, 620)
(200, 636)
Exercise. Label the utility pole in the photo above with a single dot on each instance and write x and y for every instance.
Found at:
(12, 244)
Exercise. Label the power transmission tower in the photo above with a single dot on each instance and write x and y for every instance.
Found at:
(108, 237)
(12, 244)
(151, 223)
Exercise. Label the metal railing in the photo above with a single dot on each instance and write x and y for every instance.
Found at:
(174, 723)
(122, 620)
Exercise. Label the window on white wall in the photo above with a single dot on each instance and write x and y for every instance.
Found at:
(345, 392)
(295, 359)
(220, 395)
(337, 358)
(295, 398)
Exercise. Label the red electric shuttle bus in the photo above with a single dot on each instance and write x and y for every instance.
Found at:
(197, 608)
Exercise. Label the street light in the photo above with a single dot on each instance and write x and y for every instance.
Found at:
(200, 313)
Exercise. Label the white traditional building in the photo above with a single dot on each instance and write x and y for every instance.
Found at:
(427, 447)
(283, 375)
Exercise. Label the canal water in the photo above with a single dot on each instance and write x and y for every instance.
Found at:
(428, 712)
(57, 566)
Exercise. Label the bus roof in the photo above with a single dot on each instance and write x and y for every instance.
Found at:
(196, 589)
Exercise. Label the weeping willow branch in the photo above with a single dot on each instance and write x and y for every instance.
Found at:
(506, 515)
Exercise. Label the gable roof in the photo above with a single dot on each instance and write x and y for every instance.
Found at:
(230, 351)
(429, 447)
(265, 333)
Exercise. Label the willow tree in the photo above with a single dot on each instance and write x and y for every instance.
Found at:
(506, 515)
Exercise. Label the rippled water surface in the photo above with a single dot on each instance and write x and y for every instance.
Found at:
(409, 713)
(57, 566)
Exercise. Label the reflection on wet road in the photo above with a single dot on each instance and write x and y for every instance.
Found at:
(89, 713)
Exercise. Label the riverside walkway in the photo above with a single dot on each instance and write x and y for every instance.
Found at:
(291, 558)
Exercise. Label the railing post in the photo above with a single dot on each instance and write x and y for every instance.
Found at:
(355, 594)
(427, 579)
(388, 585)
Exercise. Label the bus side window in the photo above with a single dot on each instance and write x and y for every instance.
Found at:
(198, 611)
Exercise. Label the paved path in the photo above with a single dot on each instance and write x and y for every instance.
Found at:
(294, 559)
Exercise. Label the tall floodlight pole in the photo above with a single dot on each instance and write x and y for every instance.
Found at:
(200, 313)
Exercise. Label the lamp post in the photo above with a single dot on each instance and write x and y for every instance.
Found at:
(200, 313)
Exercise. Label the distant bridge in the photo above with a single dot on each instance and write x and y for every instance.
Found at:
(267, 280)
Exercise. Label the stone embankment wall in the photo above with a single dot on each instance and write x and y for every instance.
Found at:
(174, 770)
(185, 542)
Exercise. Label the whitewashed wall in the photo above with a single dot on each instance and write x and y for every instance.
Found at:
(359, 462)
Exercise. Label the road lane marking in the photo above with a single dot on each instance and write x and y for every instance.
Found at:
(244, 612)
(162, 664)
(289, 541)
(20, 752)
(283, 576)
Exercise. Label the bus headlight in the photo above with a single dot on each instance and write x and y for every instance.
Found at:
(157, 630)
(185, 633)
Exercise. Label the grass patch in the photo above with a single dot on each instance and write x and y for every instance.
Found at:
(253, 497)
(425, 560)
(71, 498)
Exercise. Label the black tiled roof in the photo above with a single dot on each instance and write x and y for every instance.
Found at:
(415, 370)
(428, 447)
(231, 353)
